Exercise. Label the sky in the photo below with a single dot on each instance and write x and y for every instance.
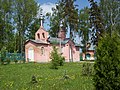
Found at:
(46, 5)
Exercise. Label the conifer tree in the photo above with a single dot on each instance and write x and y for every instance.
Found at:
(107, 65)
(96, 21)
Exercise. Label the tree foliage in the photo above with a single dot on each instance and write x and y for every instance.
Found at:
(70, 15)
(24, 13)
(87, 69)
(56, 58)
(107, 65)
(16, 18)
(96, 21)
(33, 28)
(110, 10)
(6, 28)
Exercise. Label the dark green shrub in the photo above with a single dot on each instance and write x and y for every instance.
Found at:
(33, 81)
(107, 65)
(87, 69)
(15, 61)
(23, 60)
(3, 55)
(2, 61)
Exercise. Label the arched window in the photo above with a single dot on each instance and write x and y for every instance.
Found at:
(38, 36)
(43, 35)
(42, 50)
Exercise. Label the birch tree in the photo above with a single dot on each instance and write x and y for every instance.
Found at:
(110, 10)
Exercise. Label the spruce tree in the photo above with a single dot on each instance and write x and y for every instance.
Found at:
(107, 65)
(96, 21)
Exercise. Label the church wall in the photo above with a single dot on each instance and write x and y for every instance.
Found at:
(42, 53)
(27, 47)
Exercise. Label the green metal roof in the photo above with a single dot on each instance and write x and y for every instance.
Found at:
(57, 40)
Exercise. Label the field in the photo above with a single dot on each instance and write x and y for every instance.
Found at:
(19, 76)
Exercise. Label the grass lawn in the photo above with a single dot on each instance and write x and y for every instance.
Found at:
(18, 77)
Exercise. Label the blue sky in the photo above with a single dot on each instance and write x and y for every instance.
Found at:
(81, 3)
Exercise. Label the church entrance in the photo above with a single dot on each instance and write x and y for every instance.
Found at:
(31, 54)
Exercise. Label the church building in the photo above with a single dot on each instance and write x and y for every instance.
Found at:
(39, 50)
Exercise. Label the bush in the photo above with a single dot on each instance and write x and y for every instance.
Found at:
(87, 69)
(8, 61)
(61, 60)
(3, 55)
(15, 61)
(56, 59)
(107, 65)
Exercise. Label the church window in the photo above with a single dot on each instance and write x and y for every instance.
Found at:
(43, 35)
(38, 36)
(42, 50)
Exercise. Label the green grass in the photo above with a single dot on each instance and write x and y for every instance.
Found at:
(18, 77)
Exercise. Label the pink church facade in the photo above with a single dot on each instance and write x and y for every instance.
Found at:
(39, 50)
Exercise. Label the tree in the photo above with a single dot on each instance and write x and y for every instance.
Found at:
(6, 28)
(35, 25)
(107, 65)
(84, 28)
(24, 13)
(70, 16)
(33, 28)
(110, 10)
(56, 58)
(96, 21)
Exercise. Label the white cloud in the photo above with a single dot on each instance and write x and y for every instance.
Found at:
(47, 7)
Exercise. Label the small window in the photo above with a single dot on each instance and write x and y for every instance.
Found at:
(38, 36)
(42, 50)
(43, 35)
